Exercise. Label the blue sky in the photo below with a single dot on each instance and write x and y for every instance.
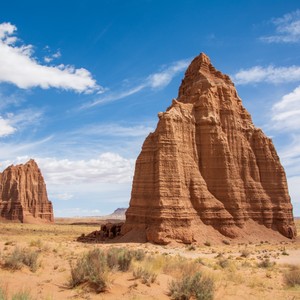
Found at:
(81, 83)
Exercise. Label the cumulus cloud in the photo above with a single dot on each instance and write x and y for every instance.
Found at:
(50, 58)
(268, 74)
(287, 29)
(286, 112)
(6, 128)
(19, 67)
(106, 168)
(154, 81)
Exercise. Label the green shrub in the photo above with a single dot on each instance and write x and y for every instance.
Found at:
(196, 286)
(146, 276)
(20, 257)
(3, 295)
(266, 263)
(292, 277)
(91, 268)
(223, 262)
(30, 259)
(15, 260)
(23, 295)
(138, 254)
(119, 258)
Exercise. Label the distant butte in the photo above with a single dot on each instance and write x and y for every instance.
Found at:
(23, 195)
(207, 172)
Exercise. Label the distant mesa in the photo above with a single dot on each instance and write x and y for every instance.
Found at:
(207, 172)
(23, 195)
(118, 214)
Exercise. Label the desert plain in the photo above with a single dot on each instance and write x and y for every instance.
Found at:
(236, 270)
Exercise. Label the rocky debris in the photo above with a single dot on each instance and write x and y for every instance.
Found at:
(23, 194)
(107, 231)
(207, 170)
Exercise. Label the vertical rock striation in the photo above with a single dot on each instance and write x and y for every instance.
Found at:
(23, 195)
(207, 168)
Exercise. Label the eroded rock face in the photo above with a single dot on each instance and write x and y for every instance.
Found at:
(207, 168)
(23, 195)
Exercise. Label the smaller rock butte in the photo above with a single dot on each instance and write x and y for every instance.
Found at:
(23, 195)
(207, 171)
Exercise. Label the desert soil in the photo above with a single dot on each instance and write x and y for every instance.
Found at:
(240, 278)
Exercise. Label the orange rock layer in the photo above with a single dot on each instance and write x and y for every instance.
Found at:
(207, 164)
(23, 195)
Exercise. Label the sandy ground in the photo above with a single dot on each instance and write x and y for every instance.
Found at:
(57, 247)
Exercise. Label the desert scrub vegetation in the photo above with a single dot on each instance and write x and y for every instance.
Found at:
(119, 258)
(147, 276)
(266, 263)
(292, 276)
(20, 257)
(94, 267)
(90, 268)
(197, 286)
(22, 295)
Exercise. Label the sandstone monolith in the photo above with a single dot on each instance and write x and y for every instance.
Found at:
(207, 170)
(23, 194)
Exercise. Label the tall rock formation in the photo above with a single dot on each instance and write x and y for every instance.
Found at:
(207, 169)
(23, 195)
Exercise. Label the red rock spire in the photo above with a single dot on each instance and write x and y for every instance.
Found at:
(207, 170)
(23, 194)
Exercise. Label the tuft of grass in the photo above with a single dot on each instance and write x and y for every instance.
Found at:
(196, 286)
(15, 260)
(223, 262)
(20, 257)
(138, 254)
(147, 277)
(91, 268)
(292, 277)
(245, 253)
(3, 294)
(119, 258)
(23, 295)
(36, 243)
(266, 263)
(226, 242)
(191, 247)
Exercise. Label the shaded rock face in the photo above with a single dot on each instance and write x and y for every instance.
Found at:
(207, 165)
(23, 195)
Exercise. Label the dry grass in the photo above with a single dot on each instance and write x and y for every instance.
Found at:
(143, 265)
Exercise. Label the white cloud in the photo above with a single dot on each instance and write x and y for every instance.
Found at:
(154, 81)
(115, 130)
(61, 196)
(106, 168)
(17, 66)
(286, 112)
(163, 78)
(50, 58)
(287, 29)
(268, 74)
(18, 121)
(6, 128)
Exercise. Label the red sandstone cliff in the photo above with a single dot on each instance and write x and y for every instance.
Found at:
(207, 169)
(23, 195)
